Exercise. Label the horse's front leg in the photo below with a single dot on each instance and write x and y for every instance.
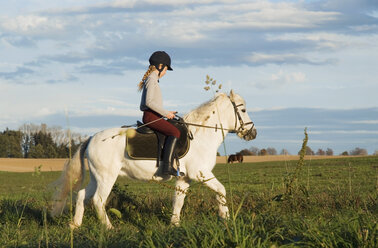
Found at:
(182, 185)
(212, 182)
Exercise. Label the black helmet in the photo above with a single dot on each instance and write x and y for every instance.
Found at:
(160, 57)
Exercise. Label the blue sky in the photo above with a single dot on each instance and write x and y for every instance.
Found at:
(86, 57)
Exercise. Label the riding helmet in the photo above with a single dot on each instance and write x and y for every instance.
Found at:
(160, 57)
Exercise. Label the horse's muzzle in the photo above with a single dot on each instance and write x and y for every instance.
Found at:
(249, 134)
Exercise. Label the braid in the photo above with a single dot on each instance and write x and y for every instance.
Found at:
(150, 69)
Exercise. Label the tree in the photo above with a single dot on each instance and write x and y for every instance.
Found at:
(271, 151)
(320, 152)
(245, 152)
(358, 151)
(329, 152)
(284, 152)
(3, 146)
(345, 153)
(44, 135)
(43, 145)
(37, 151)
(38, 142)
(50, 151)
(263, 152)
(254, 150)
(309, 151)
(10, 144)
(43, 138)
(62, 151)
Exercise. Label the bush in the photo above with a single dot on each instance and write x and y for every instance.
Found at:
(358, 151)
(309, 151)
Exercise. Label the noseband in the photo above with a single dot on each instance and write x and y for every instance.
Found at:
(238, 117)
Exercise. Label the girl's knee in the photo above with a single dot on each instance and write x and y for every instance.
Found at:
(177, 134)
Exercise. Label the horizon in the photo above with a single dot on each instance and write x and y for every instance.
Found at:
(339, 130)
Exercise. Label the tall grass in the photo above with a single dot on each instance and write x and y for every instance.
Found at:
(71, 180)
(330, 216)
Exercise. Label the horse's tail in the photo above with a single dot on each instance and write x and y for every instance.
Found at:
(72, 178)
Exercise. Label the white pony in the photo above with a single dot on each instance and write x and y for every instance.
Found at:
(107, 160)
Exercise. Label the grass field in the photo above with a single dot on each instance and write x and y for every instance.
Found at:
(334, 204)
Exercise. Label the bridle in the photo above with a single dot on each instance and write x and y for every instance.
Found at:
(238, 117)
(236, 130)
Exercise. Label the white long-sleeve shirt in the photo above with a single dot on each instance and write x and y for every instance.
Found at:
(151, 95)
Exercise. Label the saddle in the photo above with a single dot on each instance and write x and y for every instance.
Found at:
(146, 144)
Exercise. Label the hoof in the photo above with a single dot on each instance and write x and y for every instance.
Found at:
(175, 223)
(73, 226)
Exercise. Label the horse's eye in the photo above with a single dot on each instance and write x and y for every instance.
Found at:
(243, 110)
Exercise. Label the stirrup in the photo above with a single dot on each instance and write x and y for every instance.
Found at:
(171, 171)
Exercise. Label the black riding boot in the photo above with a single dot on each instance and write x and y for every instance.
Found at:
(168, 158)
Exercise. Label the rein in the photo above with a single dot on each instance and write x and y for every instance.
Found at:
(237, 117)
(199, 125)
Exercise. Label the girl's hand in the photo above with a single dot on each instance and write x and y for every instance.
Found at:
(171, 114)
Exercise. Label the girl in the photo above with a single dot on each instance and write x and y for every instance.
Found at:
(152, 106)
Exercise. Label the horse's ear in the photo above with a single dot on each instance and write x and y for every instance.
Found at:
(232, 95)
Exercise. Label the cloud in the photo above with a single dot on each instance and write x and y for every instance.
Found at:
(195, 30)
(109, 38)
(68, 58)
(263, 58)
(281, 79)
(18, 73)
(350, 5)
(19, 41)
(348, 132)
(31, 24)
(294, 77)
(373, 13)
(66, 78)
(372, 122)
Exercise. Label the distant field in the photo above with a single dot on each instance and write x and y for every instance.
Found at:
(251, 159)
(29, 165)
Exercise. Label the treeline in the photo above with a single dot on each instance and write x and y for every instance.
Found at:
(255, 151)
(33, 141)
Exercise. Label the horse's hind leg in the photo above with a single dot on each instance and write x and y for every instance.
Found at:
(82, 198)
(182, 186)
(101, 195)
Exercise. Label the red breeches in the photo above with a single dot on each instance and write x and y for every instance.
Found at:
(161, 125)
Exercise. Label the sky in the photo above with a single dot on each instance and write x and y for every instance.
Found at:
(69, 60)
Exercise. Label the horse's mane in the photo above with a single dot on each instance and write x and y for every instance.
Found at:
(201, 114)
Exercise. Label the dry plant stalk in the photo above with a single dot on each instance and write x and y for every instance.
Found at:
(289, 184)
(302, 153)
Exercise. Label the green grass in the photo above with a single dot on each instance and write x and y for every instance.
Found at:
(333, 204)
